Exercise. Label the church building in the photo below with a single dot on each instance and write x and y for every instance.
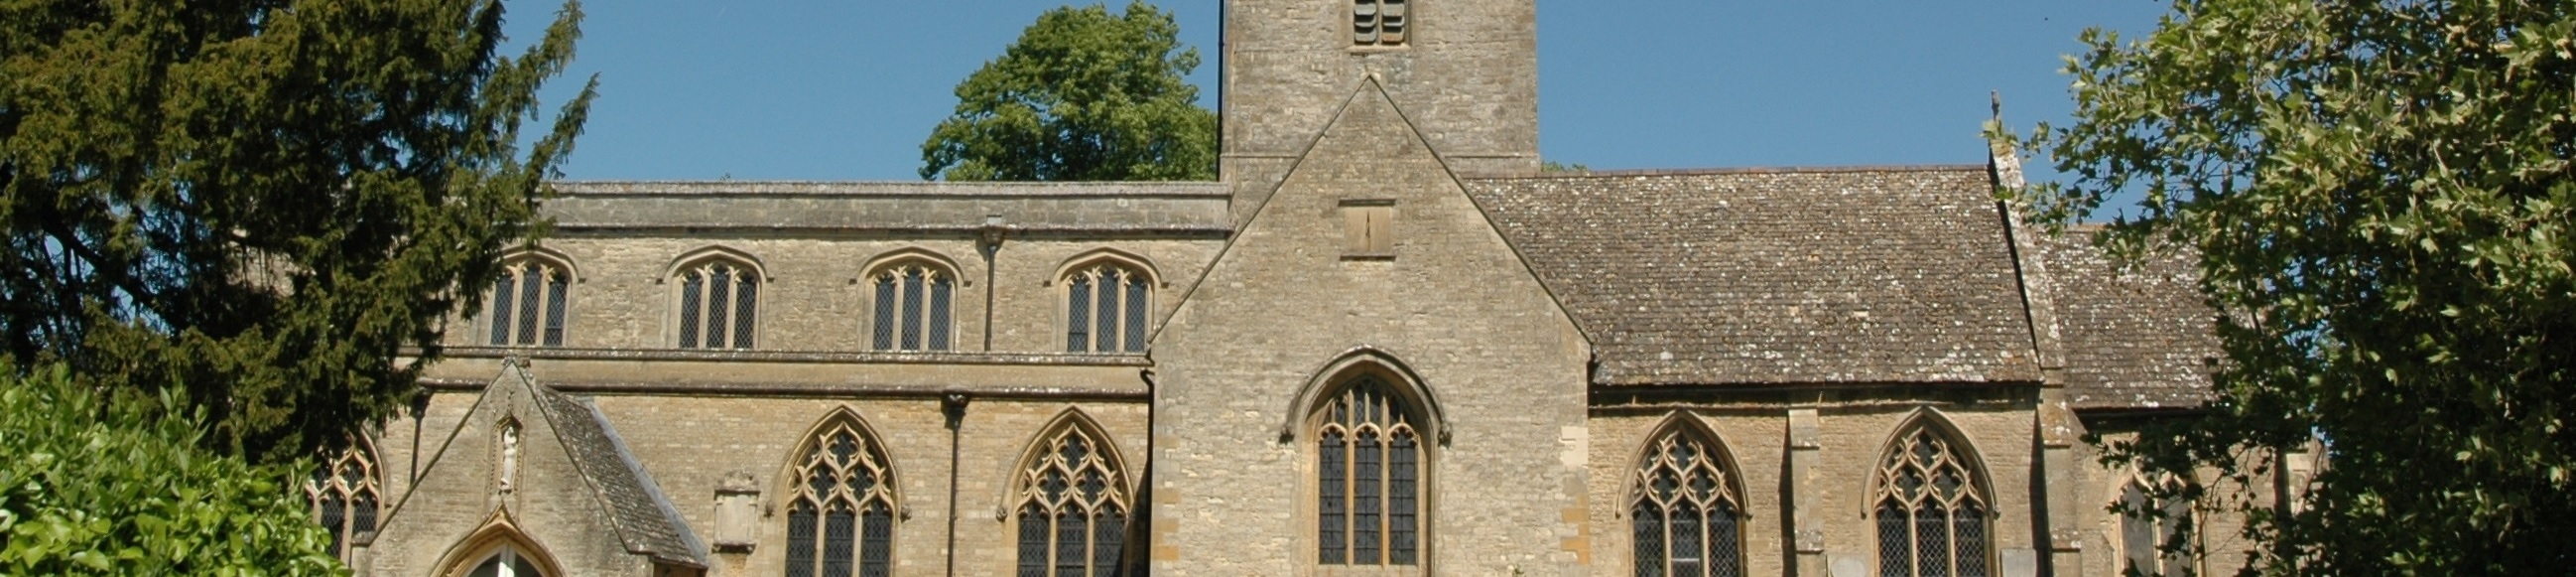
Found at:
(1384, 343)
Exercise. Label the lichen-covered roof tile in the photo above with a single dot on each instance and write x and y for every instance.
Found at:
(645, 521)
(1777, 276)
(2137, 334)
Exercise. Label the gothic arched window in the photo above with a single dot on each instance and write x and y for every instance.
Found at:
(528, 303)
(508, 562)
(1931, 508)
(840, 516)
(913, 300)
(344, 496)
(2153, 517)
(1687, 519)
(1072, 508)
(1368, 476)
(1105, 308)
(719, 304)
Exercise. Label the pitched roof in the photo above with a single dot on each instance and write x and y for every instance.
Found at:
(2136, 333)
(1898, 274)
(644, 519)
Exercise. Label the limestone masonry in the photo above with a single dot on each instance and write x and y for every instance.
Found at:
(1383, 344)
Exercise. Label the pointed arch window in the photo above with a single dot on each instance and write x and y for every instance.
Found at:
(913, 303)
(1105, 309)
(508, 562)
(840, 516)
(345, 496)
(1931, 509)
(719, 305)
(1368, 477)
(527, 302)
(1687, 518)
(2155, 522)
(1073, 509)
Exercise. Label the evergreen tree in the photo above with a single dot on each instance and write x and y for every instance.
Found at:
(263, 202)
(2381, 199)
(1083, 95)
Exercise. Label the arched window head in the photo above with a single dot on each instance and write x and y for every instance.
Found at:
(344, 495)
(508, 562)
(1105, 308)
(1072, 508)
(840, 515)
(1368, 464)
(2155, 526)
(1931, 507)
(913, 300)
(1687, 517)
(719, 304)
(527, 302)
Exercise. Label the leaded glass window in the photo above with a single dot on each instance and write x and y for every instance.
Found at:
(1379, 22)
(1073, 509)
(719, 303)
(1105, 309)
(840, 517)
(1932, 513)
(508, 562)
(913, 304)
(1687, 519)
(1369, 470)
(2155, 527)
(527, 305)
(344, 496)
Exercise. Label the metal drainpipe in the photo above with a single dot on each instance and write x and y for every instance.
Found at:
(989, 242)
(953, 405)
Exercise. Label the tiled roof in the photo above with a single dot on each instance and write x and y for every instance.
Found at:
(2136, 334)
(1868, 275)
(645, 520)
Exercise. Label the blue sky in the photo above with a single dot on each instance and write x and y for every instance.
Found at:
(847, 90)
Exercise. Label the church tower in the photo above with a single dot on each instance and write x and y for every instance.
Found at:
(1463, 72)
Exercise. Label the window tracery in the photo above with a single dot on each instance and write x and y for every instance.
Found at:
(1105, 309)
(2154, 526)
(1368, 468)
(1073, 508)
(719, 301)
(840, 517)
(913, 304)
(1687, 518)
(344, 496)
(1931, 509)
(527, 302)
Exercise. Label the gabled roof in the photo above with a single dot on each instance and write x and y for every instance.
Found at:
(2137, 335)
(1777, 276)
(644, 519)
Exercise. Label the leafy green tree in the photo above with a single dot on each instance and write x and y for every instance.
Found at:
(95, 487)
(1083, 95)
(263, 200)
(2380, 197)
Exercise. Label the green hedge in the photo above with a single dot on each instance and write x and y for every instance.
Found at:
(92, 487)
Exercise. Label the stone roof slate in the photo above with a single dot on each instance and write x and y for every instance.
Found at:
(1866, 275)
(2136, 334)
(645, 520)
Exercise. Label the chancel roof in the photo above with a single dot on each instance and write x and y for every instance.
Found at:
(2136, 333)
(1752, 277)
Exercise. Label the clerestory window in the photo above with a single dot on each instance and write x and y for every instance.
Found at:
(1379, 22)
(719, 305)
(913, 304)
(1368, 472)
(840, 517)
(344, 496)
(1105, 309)
(1072, 509)
(1687, 519)
(1932, 511)
(527, 303)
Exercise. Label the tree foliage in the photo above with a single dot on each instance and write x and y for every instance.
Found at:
(1083, 95)
(92, 487)
(2380, 197)
(265, 200)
